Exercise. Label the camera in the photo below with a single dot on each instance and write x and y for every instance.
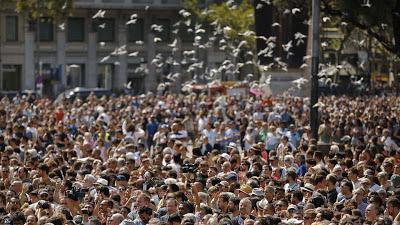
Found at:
(85, 211)
(188, 168)
(43, 205)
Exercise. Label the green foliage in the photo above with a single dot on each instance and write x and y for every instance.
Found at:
(57, 9)
(375, 20)
(239, 18)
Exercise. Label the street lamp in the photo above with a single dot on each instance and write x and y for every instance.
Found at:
(314, 121)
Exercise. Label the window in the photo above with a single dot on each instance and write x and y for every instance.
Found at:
(46, 30)
(11, 78)
(76, 29)
(75, 75)
(11, 28)
(105, 75)
(136, 75)
(105, 28)
(136, 31)
(187, 37)
(165, 34)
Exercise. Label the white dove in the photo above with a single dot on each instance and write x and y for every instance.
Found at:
(295, 10)
(184, 13)
(104, 59)
(288, 46)
(300, 82)
(326, 19)
(131, 21)
(62, 26)
(319, 104)
(134, 53)
(99, 14)
(276, 24)
(156, 27)
(366, 3)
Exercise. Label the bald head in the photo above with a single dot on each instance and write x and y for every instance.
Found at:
(245, 206)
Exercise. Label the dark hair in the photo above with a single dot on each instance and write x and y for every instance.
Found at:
(146, 210)
(235, 200)
(298, 194)
(56, 220)
(348, 184)
(224, 196)
(95, 221)
(291, 174)
(105, 191)
(394, 202)
(174, 218)
(331, 179)
(44, 167)
(18, 216)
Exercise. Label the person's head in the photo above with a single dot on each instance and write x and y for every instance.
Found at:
(94, 221)
(309, 216)
(226, 167)
(387, 166)
(233, 204)
(346, 187)
(154, 221)
(359, 195)
(72, 199)
(43, 169)
(185, 207)
(248, 222)
(22, 173)
(145, 214)
(13, 205)
(296, 197)
(245, 207)
(16, 186)
(393, 207)
(371, 213)
(143, 200)
(31, 220)
(331, 181)
(291, 176)
(115, 219)
(269, 193)
(172, 206)
(223, 200)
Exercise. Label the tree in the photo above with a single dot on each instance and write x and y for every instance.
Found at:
(55, 9)
(379, 19)
(232, 22)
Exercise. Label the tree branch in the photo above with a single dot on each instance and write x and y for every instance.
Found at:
(388, 45)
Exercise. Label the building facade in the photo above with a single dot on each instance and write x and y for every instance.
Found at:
(83, 51)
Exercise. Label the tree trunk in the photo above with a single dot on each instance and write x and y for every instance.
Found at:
(396, 26)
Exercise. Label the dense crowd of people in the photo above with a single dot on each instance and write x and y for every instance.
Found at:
(195, 159)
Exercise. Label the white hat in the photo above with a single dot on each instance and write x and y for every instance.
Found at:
(232, 145)
(292, 221)
(226, 156)
(170, 181)
(167, 150)
(308, 187)
(32, 152)
(102, 181)
(130, 155)
(334, 148)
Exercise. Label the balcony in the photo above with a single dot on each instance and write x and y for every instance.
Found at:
(129, 4)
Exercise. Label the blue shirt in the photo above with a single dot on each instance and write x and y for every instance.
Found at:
(301, 170)
(152, 128)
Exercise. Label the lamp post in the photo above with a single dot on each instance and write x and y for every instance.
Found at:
(314, 121)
